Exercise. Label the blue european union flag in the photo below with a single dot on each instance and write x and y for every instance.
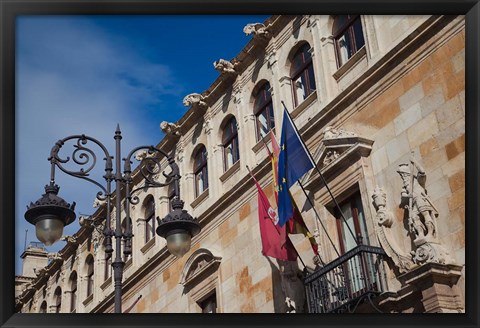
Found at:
(293, 163)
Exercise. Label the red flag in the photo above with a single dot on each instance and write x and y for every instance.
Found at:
(274, 238)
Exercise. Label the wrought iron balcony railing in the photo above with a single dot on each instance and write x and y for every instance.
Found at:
(341, 285)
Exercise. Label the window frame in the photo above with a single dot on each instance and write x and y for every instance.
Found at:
(200, 167)
(73, 291)
(149, 212)
(228, 140)
(304, 70)
(90, 262)
(58, 299)
(346, 28)
(208, 301)
(263, 106)
(354, 199)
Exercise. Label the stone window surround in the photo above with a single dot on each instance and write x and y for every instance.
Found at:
(204, 281)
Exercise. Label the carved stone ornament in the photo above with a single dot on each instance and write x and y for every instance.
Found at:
(224, 67)
(194, 99)
(54, 256)
(97, 238)
(199, 265)
(207, 126)
(332, 133)
(70, 239)
(97, 203)
(330, 157)
(170, 128)
(337, 151)
(142, 154)
(383, 230)
(421, 214)
(258, 30)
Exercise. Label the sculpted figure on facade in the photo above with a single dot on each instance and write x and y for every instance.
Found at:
(224, 66)
(97, 203)
(331, 133)
(70, 239)
(330, 157)
(257, 29)
(170, 128)
(421, 215)
(54, 256)
(421, 211)
(194, 99)
(385, 220)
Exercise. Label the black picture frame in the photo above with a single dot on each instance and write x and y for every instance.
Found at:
(10, 9)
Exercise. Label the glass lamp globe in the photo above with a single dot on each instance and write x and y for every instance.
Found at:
(178, 228)
(178, 243)
(49, 230)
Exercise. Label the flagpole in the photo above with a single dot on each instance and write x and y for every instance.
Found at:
(319, 172)
(318, 218)
(275, 226)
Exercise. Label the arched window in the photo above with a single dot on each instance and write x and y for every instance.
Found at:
(301, 72)
(58, 299)
(201, 171)
(73, 291)
(89, 263)
(230, 143)
(149, 218)
(263, 110)
(348, 35)
(43, 307)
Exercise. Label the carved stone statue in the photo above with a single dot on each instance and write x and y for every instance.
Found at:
(224, 66)
(194, 99)
(422, 212)
(385, 221)
(422, 215)
(257, 29)
(170, 128)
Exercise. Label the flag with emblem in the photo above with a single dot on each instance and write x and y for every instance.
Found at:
(274, 238)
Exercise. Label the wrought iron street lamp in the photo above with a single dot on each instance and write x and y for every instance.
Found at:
(51, 213)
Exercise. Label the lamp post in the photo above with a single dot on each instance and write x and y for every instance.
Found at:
(51, 213)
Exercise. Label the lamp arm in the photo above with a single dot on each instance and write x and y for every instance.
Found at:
(149, 167)
(83, 156)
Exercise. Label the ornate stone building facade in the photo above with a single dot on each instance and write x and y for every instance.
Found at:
(380, 103)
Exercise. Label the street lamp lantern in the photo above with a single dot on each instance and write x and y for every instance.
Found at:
(51, 213)
(178, 228)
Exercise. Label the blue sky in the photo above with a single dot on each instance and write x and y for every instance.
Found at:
(85, 74)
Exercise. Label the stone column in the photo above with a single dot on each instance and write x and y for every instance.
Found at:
(323, 53)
